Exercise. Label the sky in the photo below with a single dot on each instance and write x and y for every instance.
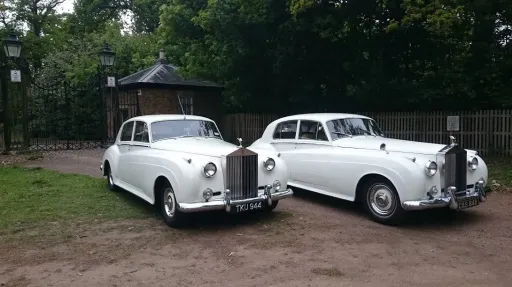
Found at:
(66, 6)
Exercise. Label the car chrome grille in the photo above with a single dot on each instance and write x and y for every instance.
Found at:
(242, 174)
(455, 171)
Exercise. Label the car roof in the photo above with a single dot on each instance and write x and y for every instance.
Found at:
(167, 117)
(322, 116)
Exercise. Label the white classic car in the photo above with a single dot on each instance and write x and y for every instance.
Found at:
(347, 156)
(182, 164)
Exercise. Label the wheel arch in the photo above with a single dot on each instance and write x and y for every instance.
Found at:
(159, 182)
(368, 178)
(106, 167)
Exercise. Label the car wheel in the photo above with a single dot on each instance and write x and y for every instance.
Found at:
(383, 203)
(110, 180)
(169, 207)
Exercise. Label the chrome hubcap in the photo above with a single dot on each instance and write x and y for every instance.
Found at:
(169, 202)
(110, 178)
(382, 200)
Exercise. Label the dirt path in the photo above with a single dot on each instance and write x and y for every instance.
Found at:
(309, 240)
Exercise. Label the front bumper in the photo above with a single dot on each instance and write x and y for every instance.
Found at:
(448, 199)
(227, 203)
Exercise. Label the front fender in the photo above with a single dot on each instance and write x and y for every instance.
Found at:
(406, 176)
(175, 169)
(110, 154)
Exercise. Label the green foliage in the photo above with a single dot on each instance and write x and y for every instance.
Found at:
(289, 56)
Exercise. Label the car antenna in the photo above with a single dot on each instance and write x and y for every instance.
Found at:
(181, 106)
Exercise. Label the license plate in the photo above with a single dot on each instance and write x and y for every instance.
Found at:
(468, 203)
(248, 206)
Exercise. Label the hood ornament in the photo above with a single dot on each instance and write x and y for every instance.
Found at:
(453, 141)
(239, 142)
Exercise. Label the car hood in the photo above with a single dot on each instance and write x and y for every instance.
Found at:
(395, 145)
(201, 146)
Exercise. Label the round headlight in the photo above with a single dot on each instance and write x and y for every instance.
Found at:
(277, 185)
(473, 163)
(269, 164)
(430, 168)
(210, 169)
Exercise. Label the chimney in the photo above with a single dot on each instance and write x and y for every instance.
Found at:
(161, 58)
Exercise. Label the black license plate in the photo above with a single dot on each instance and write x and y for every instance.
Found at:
(467, 203)
(249, 206)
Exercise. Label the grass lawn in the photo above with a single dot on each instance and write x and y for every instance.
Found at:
(34, 197)
(500, 173)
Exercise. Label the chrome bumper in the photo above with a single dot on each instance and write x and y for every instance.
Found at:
(448, 199)
(227, 203)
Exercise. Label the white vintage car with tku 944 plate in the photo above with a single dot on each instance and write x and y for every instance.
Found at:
(347, 156)
(182, 164)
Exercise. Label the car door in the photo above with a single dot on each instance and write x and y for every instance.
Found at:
(284, 136)
(311, 161)
(124, 145)
(137, 157)
(283, 140)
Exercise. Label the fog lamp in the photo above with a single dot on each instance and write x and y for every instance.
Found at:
(207, 194)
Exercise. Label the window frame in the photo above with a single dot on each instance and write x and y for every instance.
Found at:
(297, 122)
(319, 123)
(141, 143)
(121, 141)
(150, 127)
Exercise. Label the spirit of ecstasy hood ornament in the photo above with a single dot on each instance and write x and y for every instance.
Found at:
(239, 142)
(453, 141)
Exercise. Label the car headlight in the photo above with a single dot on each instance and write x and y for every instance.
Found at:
(269, 164)
(473, 163)
(430, 168)
(210, 169)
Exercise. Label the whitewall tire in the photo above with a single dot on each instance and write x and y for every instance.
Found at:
(383, 203)
(169, 207)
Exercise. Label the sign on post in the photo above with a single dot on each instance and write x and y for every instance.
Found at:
(15, 76)
(111, 82)
(452, 123)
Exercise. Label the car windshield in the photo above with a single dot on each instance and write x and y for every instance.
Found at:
(183, 128)
(349, 127)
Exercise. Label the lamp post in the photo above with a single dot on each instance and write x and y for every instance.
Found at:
(12, 49)
(107, 59)
(107, 56)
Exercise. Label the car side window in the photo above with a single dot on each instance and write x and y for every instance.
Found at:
(285, 130)
(141, 132)
(312, 130)
(126, 134)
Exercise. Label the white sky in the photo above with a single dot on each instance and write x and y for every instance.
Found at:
(66, 6)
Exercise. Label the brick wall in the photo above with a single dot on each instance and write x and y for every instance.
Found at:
(159, 101)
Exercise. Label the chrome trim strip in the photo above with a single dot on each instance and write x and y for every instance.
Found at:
(227, 202)
(447, 199)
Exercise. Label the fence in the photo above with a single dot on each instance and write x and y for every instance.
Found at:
(249, 127)
(489, 132)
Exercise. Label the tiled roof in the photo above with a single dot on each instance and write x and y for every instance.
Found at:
(162, 73)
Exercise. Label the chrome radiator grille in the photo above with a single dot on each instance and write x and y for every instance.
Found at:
(455, 169)
(242, 174)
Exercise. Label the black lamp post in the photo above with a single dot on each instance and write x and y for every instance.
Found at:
(107, 56)
(12, 49)
(107, 59)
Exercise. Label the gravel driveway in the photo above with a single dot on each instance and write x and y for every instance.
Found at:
(309, 240)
